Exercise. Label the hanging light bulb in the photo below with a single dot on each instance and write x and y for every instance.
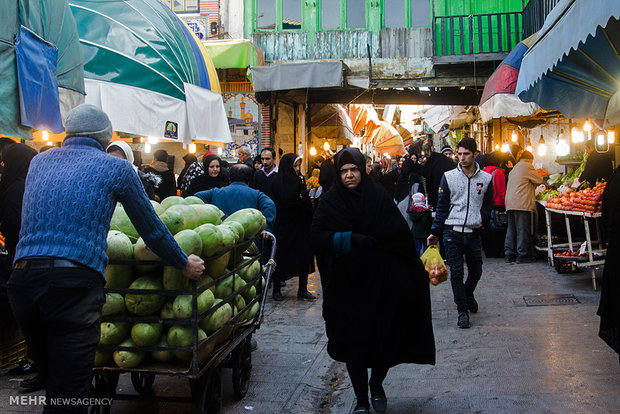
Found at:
(45, 136)
(505, 146)
(147, 148)
(497, 146)
(192, 148)
(514, 137)
(528, 146)
(542, 147)
(326, 146)
(611, 137)
(587, 127)
(577, 135)
(562, 147)
(312, 151)
(600, 139)
(220, 151)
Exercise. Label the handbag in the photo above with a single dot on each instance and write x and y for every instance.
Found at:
(499, 219)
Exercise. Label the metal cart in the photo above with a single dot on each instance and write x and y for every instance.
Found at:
(595, 256)
(229, 346)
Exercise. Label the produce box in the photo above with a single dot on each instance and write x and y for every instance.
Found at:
(154, 315)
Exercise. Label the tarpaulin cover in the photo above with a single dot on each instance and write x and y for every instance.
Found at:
(331, 121)
(498, 98)
(53, 22)
(297, 76)
(140, 62)
(573, 65)
(237, 53)
(37, 85)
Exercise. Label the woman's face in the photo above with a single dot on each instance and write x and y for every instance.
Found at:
(214, 168)
(414, 158)
(350, 175)
(257, 165)
(297, 166)
(400, 163)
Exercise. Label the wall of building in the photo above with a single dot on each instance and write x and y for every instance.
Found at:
(231, 15)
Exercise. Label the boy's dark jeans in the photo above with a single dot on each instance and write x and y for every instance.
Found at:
(457, 245)
(59, 313)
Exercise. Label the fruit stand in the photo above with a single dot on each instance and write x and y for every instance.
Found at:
(157, 322)
(584, 205)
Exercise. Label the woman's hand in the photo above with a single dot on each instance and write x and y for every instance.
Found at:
(362, 241)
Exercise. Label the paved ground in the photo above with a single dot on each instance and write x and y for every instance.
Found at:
(514, 359)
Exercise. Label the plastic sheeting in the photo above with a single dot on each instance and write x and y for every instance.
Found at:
(37, 85)
(237, 53)
(297, 76)
(149, 72)
(331, 121)
(507, 105)
(573, 65)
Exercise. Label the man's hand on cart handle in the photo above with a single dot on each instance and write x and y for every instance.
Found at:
(432, 240)
(194, 267)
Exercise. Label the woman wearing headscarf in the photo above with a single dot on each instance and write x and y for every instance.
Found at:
(214, 176)
(292, 227)
(376, 301)
(194, 170)
(411, 174)
(149, 181)
(609, 307)
(189, 160)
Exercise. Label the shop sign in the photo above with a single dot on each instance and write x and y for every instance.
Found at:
(198, 25)
(172, 130)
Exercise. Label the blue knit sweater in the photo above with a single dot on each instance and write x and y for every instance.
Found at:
(70, 196)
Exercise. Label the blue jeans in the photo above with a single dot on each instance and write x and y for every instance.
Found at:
(420, 245)
(457, 245)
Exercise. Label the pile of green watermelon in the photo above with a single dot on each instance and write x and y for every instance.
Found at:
(198, 229)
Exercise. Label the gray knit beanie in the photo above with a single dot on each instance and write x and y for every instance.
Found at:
(89, 121)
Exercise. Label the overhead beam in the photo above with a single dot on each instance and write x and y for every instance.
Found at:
(447, 96)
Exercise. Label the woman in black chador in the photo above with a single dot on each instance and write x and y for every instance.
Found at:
(376, 300)
(609, 307)
(292, 227)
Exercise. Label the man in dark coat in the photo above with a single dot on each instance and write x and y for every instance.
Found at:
(376, 300)
(159, 167)
(238, 195)
(435, 166)
(245, 156)
(264, 178)
(598, 166)
(609, 307)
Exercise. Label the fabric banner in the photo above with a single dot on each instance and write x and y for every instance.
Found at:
(297, 76)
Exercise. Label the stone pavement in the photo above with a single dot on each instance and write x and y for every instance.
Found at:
(514, 359)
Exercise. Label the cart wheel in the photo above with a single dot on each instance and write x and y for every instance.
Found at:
(242, 368)
(103, 385)
(208, 393)
(142, 381)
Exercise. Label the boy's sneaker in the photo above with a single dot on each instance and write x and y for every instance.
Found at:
(472, 305)
(463, 321)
